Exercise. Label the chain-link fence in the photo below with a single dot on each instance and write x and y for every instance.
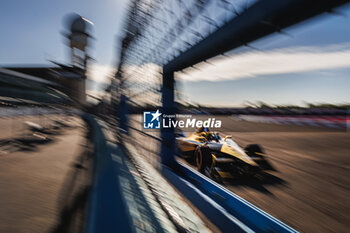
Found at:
(167, 36)
(156, 32)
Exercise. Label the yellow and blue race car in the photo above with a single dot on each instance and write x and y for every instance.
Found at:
(221, 157)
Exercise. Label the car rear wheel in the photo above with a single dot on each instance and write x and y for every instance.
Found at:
(252, 148)
(256, 152)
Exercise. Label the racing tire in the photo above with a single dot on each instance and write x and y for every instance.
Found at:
(202, 157)
(262, 162)
(252, 148)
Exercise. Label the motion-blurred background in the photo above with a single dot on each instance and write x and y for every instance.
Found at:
(276, 73)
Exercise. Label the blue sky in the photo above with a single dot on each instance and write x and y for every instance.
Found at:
(31, 29)
(31, 34)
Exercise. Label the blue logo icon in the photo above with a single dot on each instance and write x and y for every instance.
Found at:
(151, 120)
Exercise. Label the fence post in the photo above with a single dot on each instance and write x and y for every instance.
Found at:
(168, 146)
(124, 114)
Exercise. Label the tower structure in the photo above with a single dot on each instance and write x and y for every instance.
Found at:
(78, 40)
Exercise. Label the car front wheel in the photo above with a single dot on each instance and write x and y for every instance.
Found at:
(202, 158)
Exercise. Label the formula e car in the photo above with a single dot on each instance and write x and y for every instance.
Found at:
(221, 157)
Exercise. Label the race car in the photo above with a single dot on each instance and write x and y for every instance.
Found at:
(221, 158)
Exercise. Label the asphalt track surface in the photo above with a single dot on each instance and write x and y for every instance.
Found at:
(310, 189)
(40, 185)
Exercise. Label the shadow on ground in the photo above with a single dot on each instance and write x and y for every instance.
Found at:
(27, 143)
(73, 195)
(259, 182)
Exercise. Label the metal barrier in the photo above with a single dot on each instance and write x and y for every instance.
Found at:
(245, 213)
(106, 210)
